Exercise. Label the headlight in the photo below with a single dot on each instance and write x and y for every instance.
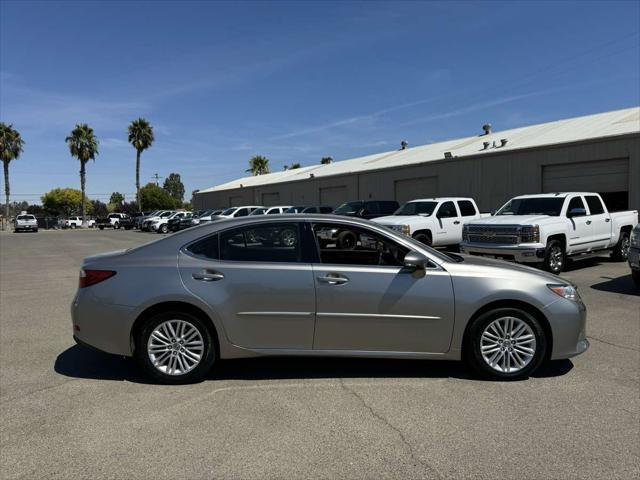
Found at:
(635, 238)
(565, 291)
(530, 234)
(404, 229)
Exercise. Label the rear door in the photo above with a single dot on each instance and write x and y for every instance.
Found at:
(600, 222)
(367, 301)
(258, 281)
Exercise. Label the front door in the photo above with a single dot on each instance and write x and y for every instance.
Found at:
(366, 300)
(448, 225)
(581, 229)
(256, 280)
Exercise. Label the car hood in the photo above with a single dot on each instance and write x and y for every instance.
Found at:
(511, 220)
(399, 219)
(484, 262)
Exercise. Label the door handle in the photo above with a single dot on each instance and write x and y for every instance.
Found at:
(607, 219)
(333, 279)
(207, 276)
(588, 222)
(457, 222)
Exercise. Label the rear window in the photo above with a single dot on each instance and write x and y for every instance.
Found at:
(26, 217)
(466, 208)
(207, 247)
(595, 205)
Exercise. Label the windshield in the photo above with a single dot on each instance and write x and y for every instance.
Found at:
(258, 211)
(349, 207)
(229, 211)
(533, 206)
(417, 208)
(166, 214)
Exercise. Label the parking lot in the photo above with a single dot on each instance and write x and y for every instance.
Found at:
(68, 411)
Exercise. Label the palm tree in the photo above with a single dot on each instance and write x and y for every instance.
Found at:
(83, 145)
(294, 165)
(258, 165)
(141, 137)
(326, 160)
(10, 149)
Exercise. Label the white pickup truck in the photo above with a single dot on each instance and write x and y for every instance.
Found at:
(433, 221)
(545, 229)
(75, 222)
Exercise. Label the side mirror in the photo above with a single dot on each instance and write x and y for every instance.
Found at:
(415, 261)
(493, 212)
(576, 212)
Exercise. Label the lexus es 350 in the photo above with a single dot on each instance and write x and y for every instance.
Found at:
(282, 286)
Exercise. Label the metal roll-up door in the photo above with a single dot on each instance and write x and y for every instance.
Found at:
(270, 199)
(413, 188)
(333, 196)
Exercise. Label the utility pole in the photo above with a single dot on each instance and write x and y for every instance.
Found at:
(157, 178)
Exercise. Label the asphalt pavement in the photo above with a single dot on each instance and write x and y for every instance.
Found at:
(69, 412)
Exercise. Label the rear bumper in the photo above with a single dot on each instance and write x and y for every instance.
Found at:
(530, 253)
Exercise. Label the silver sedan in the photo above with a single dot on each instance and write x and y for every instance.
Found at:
(276, 286)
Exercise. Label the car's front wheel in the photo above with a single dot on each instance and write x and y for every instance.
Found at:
(175, 348)
(505, 344)
(164, 228)
(554, 257)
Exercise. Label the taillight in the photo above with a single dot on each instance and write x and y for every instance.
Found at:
(91, 277)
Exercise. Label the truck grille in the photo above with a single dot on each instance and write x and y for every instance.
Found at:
(502, 234)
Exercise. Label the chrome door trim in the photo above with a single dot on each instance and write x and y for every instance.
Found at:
(374, 315)
(278, 314)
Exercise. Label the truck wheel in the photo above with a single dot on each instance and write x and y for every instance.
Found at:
(163, 228)
(554, 257)
(116, 226)
(101, 227)
(423, 238)
(347, 240)
(73, 226)
(621, 250)
(505, 344)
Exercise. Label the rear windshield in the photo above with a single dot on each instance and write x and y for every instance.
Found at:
(551, 206)
(26, 217)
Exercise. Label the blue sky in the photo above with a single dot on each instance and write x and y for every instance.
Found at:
(294, 81)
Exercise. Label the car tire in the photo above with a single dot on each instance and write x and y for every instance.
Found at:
(423, 237)
(347, 240)
(160, 367)
(73, 226)
(101, 227)
(488, 353)
(35, 230)
(554, 257)
(635, 274)
(163, 228)
(621, 250)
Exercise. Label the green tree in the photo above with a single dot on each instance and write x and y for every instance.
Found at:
(156, 198)
(99, 208)
(326, 160)
(11, 144)
(116, 198)
(258, 165)
(66, 201)
(294, 165)
(83, 145)
(173, 186)
(141, 137)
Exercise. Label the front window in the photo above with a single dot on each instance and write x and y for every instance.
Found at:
(166, 214)
(447, 210)
(417, 208)
(278, 242)
(228, 211)
(346, 245)
(259, 211)
(349, 207)
(551, 206)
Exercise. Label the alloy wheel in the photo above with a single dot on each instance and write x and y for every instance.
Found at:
(175, 347)
(555, 258)
(625, 247)
(508, 344)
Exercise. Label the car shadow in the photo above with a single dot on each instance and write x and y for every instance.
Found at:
(82, 362)
(573, 265)
(623, 285)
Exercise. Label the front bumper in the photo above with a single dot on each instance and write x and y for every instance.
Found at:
(524, 253)
(568, 321)
(634, 258)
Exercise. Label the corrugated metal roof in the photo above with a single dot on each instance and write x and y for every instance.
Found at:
(618, 122)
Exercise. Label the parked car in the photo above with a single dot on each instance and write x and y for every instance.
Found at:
(433, 221)
(234, 212)
(634, 255)
(115, 221)
(155, 216)
(179, 221)
(270, 210)
(206, 216)
(25, 222)
(546, 229)
(161, 224)
(368, 209)
(179, 304)
(310, 209)
(75, 222)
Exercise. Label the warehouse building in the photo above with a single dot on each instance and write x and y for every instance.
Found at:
(599, 153)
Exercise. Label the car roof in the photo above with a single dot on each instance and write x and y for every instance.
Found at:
(554, 194)
(440, 199)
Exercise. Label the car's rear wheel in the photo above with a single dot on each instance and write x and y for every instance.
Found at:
(621, 250)
(505, 344)
(175, 348)
(554, 257)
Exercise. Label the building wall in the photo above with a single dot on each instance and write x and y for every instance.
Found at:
(490, 178)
